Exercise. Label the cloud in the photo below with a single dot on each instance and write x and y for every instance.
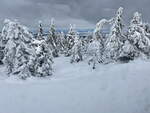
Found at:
(84, 13)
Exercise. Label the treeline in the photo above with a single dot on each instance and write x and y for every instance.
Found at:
(25, 55)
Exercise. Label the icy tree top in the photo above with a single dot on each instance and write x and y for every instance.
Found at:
(6, 21)
(12, 29)
(52, 26)
(117, 23)
(40, 31)
(40, 22)
(76, 39)
(118, 18)
(52, 21)
(119, 11)
(100, 25)
(62, 34)
(136, 18)
(72, 27)
(72, 30)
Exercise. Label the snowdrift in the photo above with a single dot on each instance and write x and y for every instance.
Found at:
(76, 88)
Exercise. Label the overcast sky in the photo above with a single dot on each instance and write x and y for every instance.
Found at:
(83, 13)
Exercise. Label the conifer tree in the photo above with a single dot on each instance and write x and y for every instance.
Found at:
(128, 52)
(137, 35)
(53, 39)
(22, 58)
(41, 63)
(62, 43)
(4, 38)
(116, 38)
(40, 31)
(70, 39)
(96, 47)
(77, 50)
(18, 50)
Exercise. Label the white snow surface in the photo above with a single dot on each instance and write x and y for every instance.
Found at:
(76, 88)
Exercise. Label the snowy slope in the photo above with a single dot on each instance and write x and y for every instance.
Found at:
(113, 88)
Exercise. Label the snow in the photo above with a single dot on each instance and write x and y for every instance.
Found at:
(76, 88)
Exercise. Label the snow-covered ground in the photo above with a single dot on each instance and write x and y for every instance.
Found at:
(76, 88)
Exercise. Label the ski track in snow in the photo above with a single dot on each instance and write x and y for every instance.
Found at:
(76, 88)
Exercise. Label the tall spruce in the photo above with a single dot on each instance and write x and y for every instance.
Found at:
(40, 31)
(96, 47)
(137, 35)
(70, 39)
(77, 54)
(53, 39)
(41, 63)
(116, 38)
(18, 50)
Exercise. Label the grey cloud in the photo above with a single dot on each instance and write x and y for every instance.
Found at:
(84, 13)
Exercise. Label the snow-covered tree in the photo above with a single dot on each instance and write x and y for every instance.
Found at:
(70, 39)
(137, 20)
(98, 30)
(137, 35)
(96, 47)
(62, 42)
(4, 34)
(9, 58)
(116, 38)
(40, 31)
(22, 59)
(4, 38)
(53, 39)
(86, 41)
(77, 50)
(94, 53)
(97, 34)
(41, 63)
(128, 52)
(17, 50)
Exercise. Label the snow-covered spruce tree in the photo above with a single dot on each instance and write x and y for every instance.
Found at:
(41, 63)
(4, 38)
(53, 39)
(62, 42)
(70, 39)
(77, 50)
(128, 52)
(96, 47)
(86, 41)
(137, 36)
(9, 57)
(40, 31)
(17, 50)
(22, 64)
(4, 34)
(115, 39)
